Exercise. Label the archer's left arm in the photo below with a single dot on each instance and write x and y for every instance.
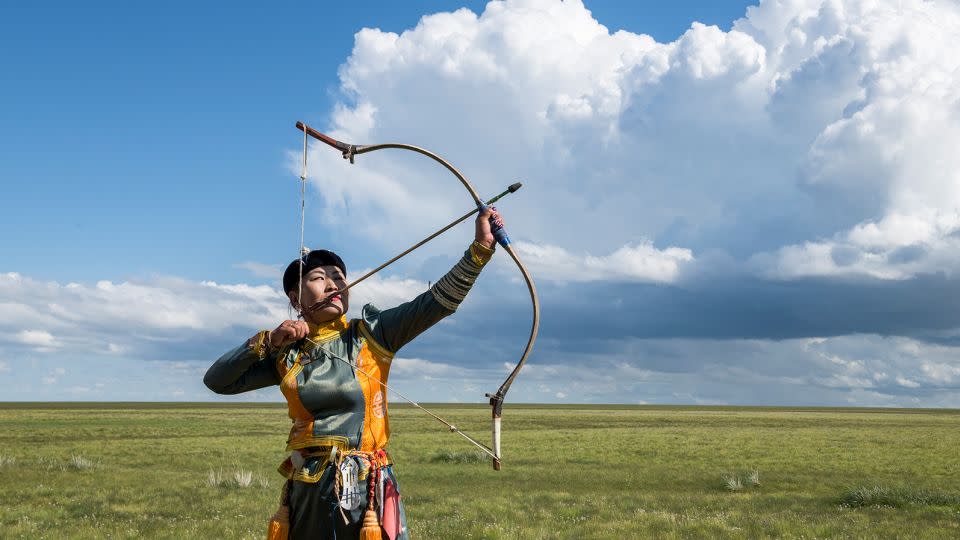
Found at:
(396, 327)
(393, 328)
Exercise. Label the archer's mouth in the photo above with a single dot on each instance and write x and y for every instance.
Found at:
(326, 302)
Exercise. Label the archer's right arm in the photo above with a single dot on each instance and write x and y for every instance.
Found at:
(247, 367)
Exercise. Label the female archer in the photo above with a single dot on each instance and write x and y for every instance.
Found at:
(332, 372)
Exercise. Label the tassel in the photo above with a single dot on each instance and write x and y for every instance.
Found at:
(371, 527)
(279, 528)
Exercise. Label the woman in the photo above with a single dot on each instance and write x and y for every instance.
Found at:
(340, 479)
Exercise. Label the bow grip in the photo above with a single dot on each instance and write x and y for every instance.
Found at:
(497, 229)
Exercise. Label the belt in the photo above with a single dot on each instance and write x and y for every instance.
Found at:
(308, 464)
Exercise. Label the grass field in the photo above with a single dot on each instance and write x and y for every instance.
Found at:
(200, 471)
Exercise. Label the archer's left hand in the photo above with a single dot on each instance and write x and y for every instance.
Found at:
(483, 235)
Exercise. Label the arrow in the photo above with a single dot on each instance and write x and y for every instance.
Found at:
(513, 188)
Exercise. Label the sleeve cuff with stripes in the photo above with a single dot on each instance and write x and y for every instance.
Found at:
(453, 287)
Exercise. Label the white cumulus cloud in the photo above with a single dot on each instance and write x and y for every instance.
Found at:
(814, 138)
(119, 319)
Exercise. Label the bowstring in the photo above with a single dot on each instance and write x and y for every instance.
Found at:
(450, 426)
(303, 206)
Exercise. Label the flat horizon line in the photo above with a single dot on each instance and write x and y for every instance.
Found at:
(8, 405)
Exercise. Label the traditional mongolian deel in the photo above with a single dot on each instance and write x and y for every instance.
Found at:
(338, 468)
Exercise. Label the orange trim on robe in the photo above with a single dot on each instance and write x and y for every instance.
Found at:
(302, 428)
(376, 423)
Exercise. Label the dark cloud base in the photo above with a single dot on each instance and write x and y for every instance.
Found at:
(600, 318)
(745, 308)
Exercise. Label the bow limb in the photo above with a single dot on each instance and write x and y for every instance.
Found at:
(349, 151)
(496, 400)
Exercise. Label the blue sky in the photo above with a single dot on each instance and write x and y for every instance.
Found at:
(136, 132)
(720, 206)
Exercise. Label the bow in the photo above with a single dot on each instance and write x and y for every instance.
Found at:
(350, 151)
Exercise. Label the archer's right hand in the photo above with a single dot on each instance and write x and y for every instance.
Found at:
(288, 332)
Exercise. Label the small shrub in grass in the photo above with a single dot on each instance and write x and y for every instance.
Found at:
(449, 456)
(243, 478)
(75, 463)
(895, 497)
(238, 479)
(48, 464)
(732, 482)
(7, 461)
(214, 478)
(80, 463)
(737, 482)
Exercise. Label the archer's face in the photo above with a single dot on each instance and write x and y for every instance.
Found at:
(317, 285)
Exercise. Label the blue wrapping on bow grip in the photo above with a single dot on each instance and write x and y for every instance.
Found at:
(496, 227)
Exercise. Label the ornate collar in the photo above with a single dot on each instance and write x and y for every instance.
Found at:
(328, 330)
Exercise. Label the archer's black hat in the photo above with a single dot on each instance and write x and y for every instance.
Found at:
(314, 259)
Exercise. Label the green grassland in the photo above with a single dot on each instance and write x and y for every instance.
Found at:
(171, 471)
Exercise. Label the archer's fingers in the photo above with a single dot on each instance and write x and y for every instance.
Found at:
(281, 334)
(496, 216)
(301, 329)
